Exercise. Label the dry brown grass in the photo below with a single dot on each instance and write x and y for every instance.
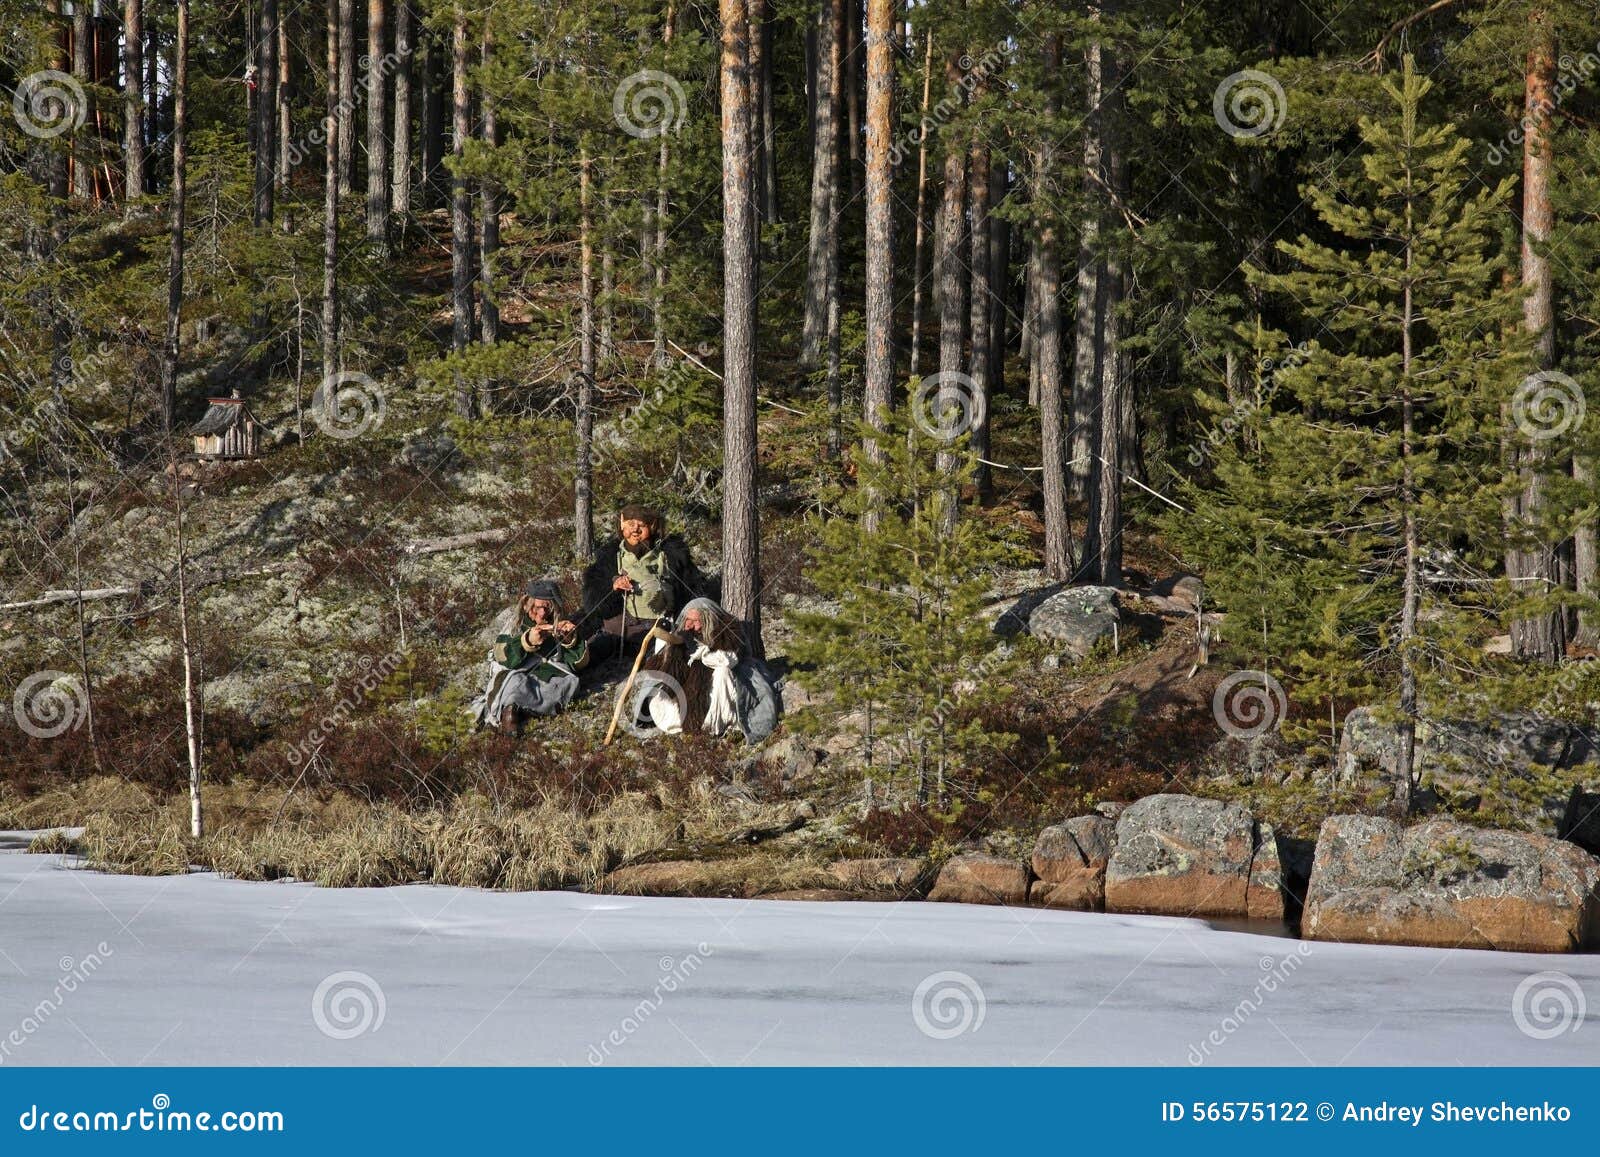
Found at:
(343, 841)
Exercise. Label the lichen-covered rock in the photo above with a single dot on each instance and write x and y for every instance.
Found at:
(1076, 619)
(1445, 884)
(1070, 862)
(890, 875)
(1452, 752)
(977, 878)
(1177, 855)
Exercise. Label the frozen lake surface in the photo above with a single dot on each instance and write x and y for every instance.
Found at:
(98, 969)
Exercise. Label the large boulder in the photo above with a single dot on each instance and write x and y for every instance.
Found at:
(1177, 855)
(1445, 884)
(890, 875)
(1070, 862)
(1452, 753)
(1076, 619)
(977, 878)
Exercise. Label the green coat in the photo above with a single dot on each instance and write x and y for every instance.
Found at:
(510, 653)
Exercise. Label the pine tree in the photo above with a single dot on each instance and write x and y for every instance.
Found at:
(908, 645)
(1380, 446)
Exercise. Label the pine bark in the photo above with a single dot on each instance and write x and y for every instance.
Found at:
(84, 143)
(347, 96)
(461, 214)
(333, 114)
(1532, 567)
(489, 229)
(982, 297)
(432, 126)
(583, 497)
(285, 142)
(658, 295)
(132, 102)
(824, 182)
(952, 288)
(179, 191)
(919, 245)
(1047, 338)
(741, 581)
(879, 304)
(400, 181)
(266, 109)
(1087, 354)
(377, 128)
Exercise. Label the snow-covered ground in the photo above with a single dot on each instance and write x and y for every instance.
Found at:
(99, 969)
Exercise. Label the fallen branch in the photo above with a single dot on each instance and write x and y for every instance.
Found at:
(143, 589)
(458, 541)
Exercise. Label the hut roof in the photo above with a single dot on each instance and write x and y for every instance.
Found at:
(222, 415)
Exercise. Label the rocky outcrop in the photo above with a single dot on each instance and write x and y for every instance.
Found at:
(1070, 862)
(901, 877)
(1447, 885)
(1452, 752)
(1076, 619)
(977, 878)
(1177, 855)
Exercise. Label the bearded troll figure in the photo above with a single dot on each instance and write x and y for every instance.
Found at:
(637, 578)
(533, 668)
(701, 679)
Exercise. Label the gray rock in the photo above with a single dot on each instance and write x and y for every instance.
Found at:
(1445, 884)
(1070, 860)
(1178, 855)
(1077, 618)
(977, 878)
(1457, 754)
(429, 452)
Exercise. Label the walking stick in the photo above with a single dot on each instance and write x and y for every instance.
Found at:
(655, 632)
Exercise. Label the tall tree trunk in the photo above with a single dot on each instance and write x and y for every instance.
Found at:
(918, 246)
(583, 511)
(1532, 567)
(999, 274)
(132, 102)
(377, 125)
(982, 314)
(952, 286)
(1102, 550)
(400, 183)
(1047, 336)
(85, 145)
(489, 199)
(879, 304)
(333, 115)
(347, 95)
(741, 561)
(850, 86)
(658, 296)
(769, 135)
(824, 183)
(1090, 310)
(266, 158)
(285, 134)
(180, 173)
(169, 378)
(432, 126)
(758, 105)
(608, 286)
(461, 213)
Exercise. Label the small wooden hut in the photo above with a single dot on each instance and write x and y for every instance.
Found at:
(228, 430)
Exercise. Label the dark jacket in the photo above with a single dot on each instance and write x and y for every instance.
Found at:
(600, 602)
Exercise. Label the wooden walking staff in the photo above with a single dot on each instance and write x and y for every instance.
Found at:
(657, 631)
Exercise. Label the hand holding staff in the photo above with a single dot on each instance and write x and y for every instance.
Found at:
(655, 632)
